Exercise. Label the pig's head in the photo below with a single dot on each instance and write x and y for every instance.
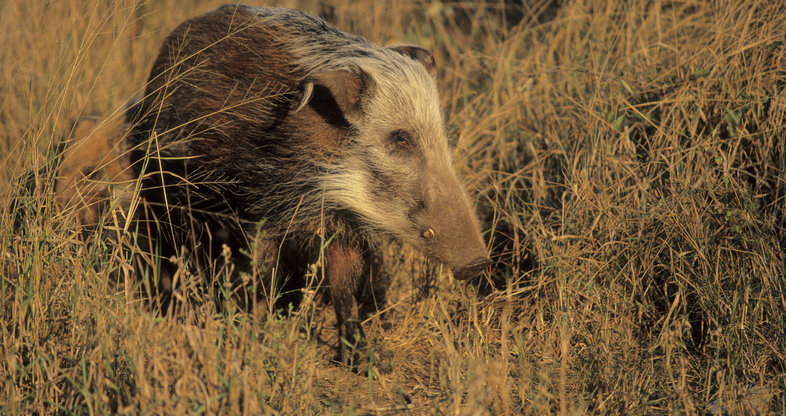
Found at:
(395, 169)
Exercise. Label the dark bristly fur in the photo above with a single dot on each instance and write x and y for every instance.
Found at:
(271, 115)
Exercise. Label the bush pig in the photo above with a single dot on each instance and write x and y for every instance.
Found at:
(274, 120)
(94, 172)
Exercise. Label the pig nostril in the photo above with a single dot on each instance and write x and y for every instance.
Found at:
(428, 234)
(473, 269)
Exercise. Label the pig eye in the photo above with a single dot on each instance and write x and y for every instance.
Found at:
(401, 140)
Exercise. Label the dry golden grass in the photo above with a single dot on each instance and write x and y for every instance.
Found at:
(630, 166)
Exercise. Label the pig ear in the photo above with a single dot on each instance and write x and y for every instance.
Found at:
(419, 54)
(331, 91)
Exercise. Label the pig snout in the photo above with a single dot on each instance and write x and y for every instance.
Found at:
(453, 233)
(472, 269)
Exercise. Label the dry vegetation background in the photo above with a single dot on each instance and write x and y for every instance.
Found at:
(629, 162)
